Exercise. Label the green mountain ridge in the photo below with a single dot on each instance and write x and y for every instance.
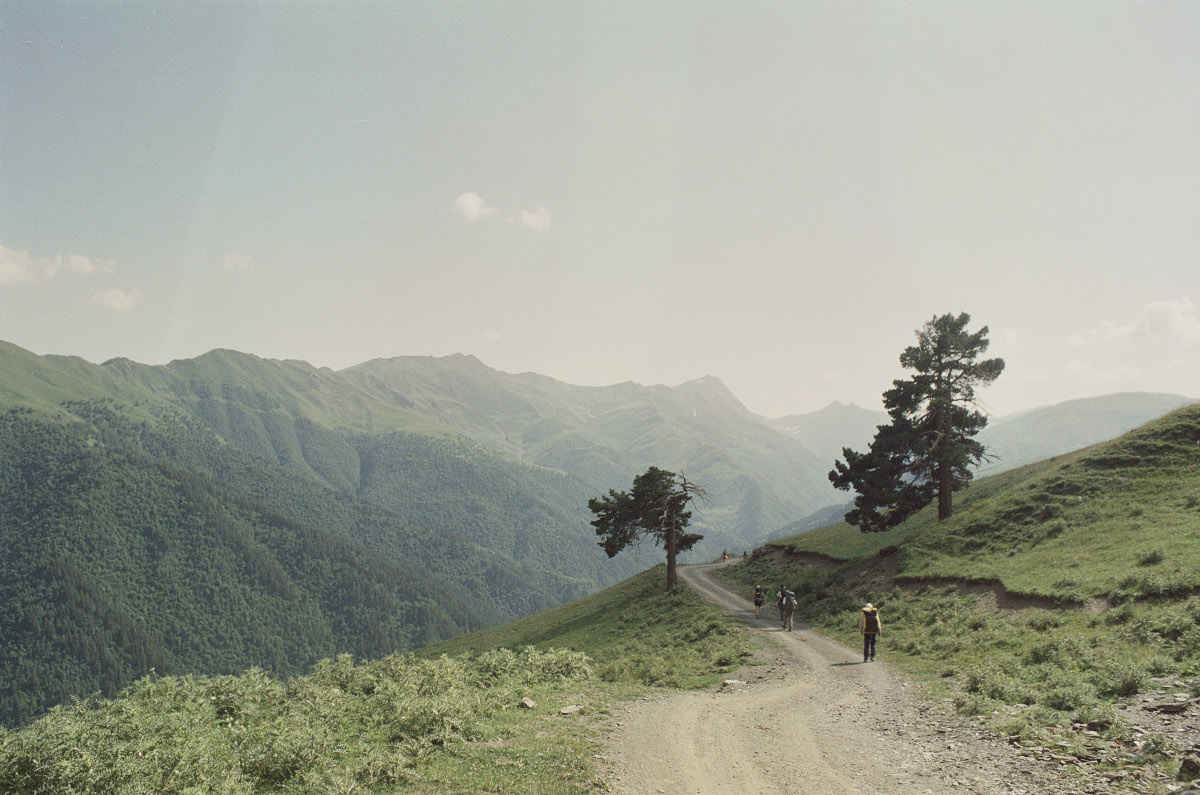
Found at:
(458, 492)
(605, 435)
(118, 558)
(377, 542)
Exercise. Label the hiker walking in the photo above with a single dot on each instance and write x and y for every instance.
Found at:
(760, 599)
(779, 601)
(871, 629)
(786, 609)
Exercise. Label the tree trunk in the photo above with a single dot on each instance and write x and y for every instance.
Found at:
(945, 491)
(671, 531)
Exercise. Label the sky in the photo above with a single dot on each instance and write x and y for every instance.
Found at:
(774, 193)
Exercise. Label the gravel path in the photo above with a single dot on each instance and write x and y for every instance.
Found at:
(813, 719)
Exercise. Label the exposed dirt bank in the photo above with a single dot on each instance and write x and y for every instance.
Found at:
(882, 569)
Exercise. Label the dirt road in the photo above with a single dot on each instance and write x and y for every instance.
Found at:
(813, 719)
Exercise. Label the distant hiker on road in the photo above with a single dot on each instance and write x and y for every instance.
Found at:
(786, 608)
(871, 629)
(724, 554)
(760, 599)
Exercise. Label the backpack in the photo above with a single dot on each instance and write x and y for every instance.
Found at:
(789, 600)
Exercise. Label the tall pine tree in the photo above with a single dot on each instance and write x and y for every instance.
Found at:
(928, 449)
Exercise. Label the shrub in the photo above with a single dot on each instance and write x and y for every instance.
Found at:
(1103, 716)
(1119, 679)
(1042, 620)
(1027, 724)
(1120, 614)
(1150, 557)
(1066, 698)
(973, 704)
(1189, 643)
(998, 685)
(1156, 748)
(344, 727)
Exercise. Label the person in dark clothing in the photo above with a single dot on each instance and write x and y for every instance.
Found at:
(760, 599)
(786, 607)
(871, 629)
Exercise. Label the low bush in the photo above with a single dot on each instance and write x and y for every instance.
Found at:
(1119, 679)
(1150, 557)
(365, 723)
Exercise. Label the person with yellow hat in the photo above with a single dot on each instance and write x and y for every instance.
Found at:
(871, 629)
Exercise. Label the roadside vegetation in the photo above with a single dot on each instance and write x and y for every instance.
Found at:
(449, 719)
(1056, 596)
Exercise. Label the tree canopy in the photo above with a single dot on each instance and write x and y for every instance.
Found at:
(656, 508)
(928, 449)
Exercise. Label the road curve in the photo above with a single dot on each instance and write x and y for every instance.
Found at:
(811, 719)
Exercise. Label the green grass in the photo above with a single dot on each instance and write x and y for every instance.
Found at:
(432, 723)
(846, 542)
(1119, 521)
(633, 631)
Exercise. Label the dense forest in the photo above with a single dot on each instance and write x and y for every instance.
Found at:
(132, 544)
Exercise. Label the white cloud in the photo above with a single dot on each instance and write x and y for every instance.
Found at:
(234, 263)
(491, 336)
(18, 267)
(21, 267)
(472, 206)
(116, 299)
(537, 220)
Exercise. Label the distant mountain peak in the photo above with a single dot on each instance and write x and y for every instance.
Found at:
(706, 382)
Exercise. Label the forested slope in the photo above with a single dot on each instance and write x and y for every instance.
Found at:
(116, 558)
(758, 479)
(254, 513)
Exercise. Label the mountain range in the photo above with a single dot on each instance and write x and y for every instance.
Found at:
(229, 511)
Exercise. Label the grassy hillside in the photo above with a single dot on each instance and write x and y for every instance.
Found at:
(431, 723)
(1056, 594)
(1089, 517)
(1051, 430)
(632, 630)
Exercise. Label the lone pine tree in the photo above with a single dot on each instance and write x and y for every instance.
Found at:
(656, 507)
(928, 449)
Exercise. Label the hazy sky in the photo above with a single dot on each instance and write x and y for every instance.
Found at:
(777, 194)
